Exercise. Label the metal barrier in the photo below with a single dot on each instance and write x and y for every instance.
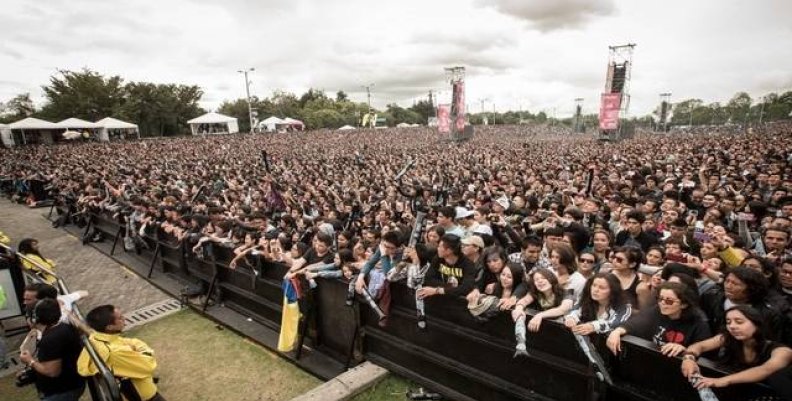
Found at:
(455, 355)
(102, 386)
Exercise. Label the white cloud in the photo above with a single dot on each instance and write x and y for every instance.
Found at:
(538, 54)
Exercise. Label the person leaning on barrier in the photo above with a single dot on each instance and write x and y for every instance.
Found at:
(450, 273)
(54, 362)
(130, 359)
(745, 350)
(29, 248)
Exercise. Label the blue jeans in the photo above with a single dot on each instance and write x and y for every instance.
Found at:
(73, 395)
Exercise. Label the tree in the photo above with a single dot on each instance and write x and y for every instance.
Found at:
(239, 109)
(19, 107)
(83, 94)
(425, 109)
(341, 96)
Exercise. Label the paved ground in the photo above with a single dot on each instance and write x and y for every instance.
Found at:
(82, 267)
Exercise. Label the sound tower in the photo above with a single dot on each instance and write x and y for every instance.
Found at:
(615, 99)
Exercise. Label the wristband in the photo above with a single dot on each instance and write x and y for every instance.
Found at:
(689, 356)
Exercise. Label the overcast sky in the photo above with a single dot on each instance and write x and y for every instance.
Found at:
(538, 54)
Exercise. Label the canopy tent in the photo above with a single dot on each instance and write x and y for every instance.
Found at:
(5, 135)
(294, 123)
(31, 125)
(402, 125)
(110, 124)
(76, 123)
(347, 128)
(214, 123)
(270, 123)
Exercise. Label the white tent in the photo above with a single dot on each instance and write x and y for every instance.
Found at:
(270, 123)
(5, 135)
(214, 123)
(294, 122)
(402, 125)
(76, 123)
(110, 123)
(346, 128)
(32, 124)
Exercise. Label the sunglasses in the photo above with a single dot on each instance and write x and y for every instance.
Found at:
(667, 301)
(586, 260)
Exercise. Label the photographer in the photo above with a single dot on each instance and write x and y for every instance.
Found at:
(54, 364)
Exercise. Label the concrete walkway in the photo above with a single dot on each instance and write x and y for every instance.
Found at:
(81, 267)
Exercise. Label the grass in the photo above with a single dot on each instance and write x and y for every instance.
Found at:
(391, 388)
(198, 361)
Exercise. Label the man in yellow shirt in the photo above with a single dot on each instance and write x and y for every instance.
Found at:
(130, 360)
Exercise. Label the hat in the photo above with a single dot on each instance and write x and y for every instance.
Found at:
(503, 201)
(462, 213)
(482, 229)
(473, 240)
(483, 304)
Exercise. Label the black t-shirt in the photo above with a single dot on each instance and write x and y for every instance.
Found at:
(653, 326)
(311, 257)
(60, 342)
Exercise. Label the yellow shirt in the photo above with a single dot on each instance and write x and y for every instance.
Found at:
(126, 358)
(48, 264)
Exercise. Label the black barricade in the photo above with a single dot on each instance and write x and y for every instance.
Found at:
(455, 355)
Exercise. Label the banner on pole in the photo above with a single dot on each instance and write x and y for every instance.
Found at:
(443, 120)
(609, 111)
(459, 106)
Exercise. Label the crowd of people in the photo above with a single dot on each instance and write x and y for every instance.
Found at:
(682, 239)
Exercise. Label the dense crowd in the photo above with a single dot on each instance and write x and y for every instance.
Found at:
(681, 239)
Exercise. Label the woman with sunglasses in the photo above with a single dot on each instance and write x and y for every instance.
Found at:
(601, 307)
(674, 323)
(546, 295)
(624, 265)
(745, 350)
(587, 262)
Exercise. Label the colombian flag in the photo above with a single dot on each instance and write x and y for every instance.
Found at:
(290, 318)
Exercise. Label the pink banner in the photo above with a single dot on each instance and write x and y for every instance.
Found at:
(459, 103)
(609, 111)
(443, 123)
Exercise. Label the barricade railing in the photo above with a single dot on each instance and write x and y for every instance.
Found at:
(455, 354)
(103, 385)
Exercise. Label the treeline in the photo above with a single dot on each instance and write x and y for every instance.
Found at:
(317, 110)
(157, 109)
(164, 109)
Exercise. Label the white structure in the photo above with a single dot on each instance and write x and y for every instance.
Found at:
(42, 128)
(111, 125)
(270, 124)
(75, 125)
(294, 123)
(214, 123)
(5, 135)
(347, 128)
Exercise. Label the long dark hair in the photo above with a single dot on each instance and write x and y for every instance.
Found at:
(517, 278)
(756, 283)
(589, 307)
(687, 296)
(732, 350)
(25, 247)
(558, 291)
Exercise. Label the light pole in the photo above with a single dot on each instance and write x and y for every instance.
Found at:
(368, 94)
(761, 110)
(247, 92)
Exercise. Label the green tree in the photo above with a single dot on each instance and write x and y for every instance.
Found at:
(425, 109)
(19, 107)
(341, 96)
(83, 94)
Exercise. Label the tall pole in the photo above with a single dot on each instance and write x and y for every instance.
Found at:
(665, 98)
(368, 94)
(761, 110)
(690, 107)
(247, 92)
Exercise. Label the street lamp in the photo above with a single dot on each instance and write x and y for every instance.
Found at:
(247, 92)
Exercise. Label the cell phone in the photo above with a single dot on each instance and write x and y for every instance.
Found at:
(693, 212)
(701, 236)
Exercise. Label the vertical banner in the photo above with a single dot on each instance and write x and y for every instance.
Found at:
(609, 111)
(443, 121)
(459, 103)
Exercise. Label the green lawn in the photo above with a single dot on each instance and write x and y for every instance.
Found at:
(391, 388)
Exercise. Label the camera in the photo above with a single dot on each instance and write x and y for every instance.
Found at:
(493, 218)
(26, 377)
